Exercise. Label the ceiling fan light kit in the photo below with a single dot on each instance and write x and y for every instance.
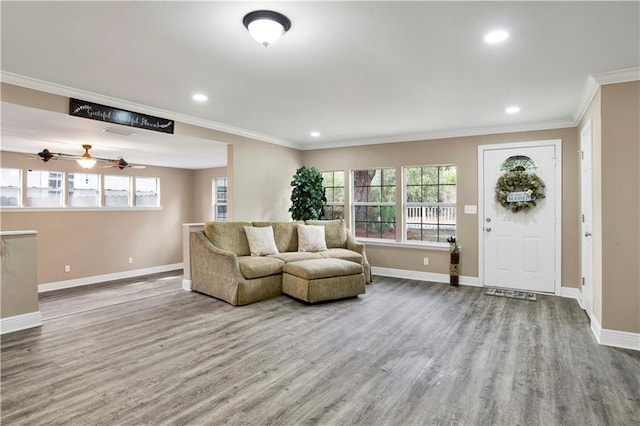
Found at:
(86, 161)
(266, 26)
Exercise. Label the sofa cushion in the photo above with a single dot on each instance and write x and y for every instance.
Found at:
(261, 242)
(296, 256)
(322, 268)
(335, 232)
(311, 238)
(344, 254)
(253, 267)
(285, 234)
(228, 236)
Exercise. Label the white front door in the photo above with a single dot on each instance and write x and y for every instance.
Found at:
(519, 250)
(586, 195)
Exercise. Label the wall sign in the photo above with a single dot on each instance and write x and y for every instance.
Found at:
(109, 114)
(514, 197)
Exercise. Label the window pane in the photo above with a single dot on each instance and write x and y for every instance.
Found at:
(375, 186)
(147, 192)
(430, 194)
(431, 221)
(221, 190)
(44, 189)
(84, 190)
(117, 191)
(10, 187)
(327, 179)
(338, 195)
(329, 194)
(221, 213)
(338, 179)
(333, 212)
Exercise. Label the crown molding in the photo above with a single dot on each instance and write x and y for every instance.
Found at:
(61, 90)
(618, 76)
(446, 134)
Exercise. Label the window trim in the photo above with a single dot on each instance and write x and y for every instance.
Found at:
(405, 204)
(353, 204)
(214, 197)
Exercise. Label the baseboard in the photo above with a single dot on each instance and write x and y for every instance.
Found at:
(186, 285)
(572, 293)
(614, 338)
(422, 276)
(96, 279)
(20, 322)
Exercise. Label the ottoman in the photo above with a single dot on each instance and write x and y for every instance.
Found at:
(316, 280)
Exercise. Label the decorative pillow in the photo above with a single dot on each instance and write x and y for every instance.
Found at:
(261, 241)
(311, 238)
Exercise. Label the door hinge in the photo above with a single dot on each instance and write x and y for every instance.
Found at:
(583, 218)
(582, 154)
(582, 280)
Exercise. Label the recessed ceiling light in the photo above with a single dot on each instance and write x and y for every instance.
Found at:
(199, 97)
(496, 37)
(315, 134)
(512, 110)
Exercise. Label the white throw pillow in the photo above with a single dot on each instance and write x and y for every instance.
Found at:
(261, 241)
(311, 238)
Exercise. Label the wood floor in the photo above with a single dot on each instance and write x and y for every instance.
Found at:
(406, 353)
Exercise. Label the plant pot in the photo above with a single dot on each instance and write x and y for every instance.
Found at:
(453, 269)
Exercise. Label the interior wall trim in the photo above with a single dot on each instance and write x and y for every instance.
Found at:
(614, 338)
(97, 279)
(422, 276)
(618, 76)
(20, 322)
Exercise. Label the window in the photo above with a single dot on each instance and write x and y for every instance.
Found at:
(147, 192)
(374, 203)
(10, 187)
(220, 199)
(117, 191)
(84, 190)
(333, 183)
(430, 208)
(44, 189)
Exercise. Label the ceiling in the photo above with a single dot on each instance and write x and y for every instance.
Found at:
(357, 72)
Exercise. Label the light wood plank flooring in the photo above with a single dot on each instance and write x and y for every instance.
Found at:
(406, 353)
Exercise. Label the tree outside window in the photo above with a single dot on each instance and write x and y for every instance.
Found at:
(374, 203)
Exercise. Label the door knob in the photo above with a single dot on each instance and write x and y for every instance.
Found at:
(488, 229)
(587, 234)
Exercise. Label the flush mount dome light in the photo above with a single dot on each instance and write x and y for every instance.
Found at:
(266, 26)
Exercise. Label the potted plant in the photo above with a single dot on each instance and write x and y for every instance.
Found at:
(454, 250)
(307, 196)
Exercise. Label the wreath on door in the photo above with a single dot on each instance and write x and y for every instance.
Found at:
(519, 190)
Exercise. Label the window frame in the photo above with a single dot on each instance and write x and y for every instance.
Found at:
(19, 187)
(333, 204)
(354, 204)
(64, 178)
(408, 204)
(217, 203)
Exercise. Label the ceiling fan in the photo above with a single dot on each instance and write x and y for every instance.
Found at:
(85, 160)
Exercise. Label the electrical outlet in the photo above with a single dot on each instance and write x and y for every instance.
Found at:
(67, 268)
(425, 261)
(131, 260)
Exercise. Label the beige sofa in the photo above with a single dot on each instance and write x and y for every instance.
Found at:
(222, 265)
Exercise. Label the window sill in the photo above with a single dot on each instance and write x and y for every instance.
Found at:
(405, 244)
(75, 209)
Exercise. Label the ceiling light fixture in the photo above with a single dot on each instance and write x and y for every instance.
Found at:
(512, 110)
(315, 134)
(496, 37)
(266, 26)
(86, 161)
(199, 97)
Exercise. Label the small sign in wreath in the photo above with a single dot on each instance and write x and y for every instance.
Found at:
(518, 190)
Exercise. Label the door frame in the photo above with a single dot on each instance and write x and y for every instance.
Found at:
(586, 270)
(557, 143)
